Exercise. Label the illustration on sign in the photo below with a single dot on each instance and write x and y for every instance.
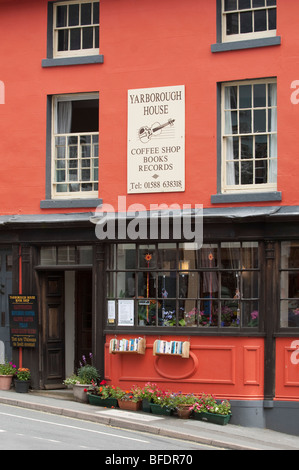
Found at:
(23, 321)
(156, 140)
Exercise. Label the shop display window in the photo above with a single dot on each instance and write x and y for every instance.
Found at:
(174, 285)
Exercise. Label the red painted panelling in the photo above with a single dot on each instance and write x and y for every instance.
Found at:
(287, 369)
(145, 44)
(226, 367)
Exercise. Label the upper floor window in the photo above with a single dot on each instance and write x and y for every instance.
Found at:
(249, 136)
(248, 19)
(75, 146)
(75, 28)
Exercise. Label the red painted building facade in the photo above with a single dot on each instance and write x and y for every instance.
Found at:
(132, 106)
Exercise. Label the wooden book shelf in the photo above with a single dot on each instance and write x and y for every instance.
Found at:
(127, 346)
(171, 348)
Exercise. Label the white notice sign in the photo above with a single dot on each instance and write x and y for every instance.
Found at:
(156, 140)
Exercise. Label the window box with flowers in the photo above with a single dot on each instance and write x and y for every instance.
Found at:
(103, 395)
(130, 400)
(206, 408)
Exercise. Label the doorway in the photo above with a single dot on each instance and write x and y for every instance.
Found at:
(66, 323)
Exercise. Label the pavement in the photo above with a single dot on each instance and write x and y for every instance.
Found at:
(229, 436)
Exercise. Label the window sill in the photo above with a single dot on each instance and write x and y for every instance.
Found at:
(93, 59)
(248, 44)
(246, 197)
(69, 203)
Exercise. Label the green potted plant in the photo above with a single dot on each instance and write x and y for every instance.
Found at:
(22, 380)
(86, 374)
(207, 408)
(7, 371)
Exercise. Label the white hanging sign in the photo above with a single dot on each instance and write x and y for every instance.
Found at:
(156, 140)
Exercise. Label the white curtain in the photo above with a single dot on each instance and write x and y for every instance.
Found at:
(273, 137)
(64, 117)
(230, 165)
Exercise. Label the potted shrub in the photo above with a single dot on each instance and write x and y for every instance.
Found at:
(86, 375)
(7, 371)
(146, 394)
(22, 380)
(103, 395)
(207, 408)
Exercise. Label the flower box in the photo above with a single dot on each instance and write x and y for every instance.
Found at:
(97, 400)
(212, 417)
(160, 410)
(146, 405)
(129, 405)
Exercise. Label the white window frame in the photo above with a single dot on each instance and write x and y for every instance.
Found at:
(72, 53)
(245, 36)
(71, 194)
(254, 187)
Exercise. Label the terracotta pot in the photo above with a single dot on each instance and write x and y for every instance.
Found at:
(184, 412)
(129, 405)
(5, 382)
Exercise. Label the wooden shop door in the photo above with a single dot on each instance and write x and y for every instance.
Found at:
(53, 335)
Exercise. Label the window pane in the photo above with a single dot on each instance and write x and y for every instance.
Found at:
(167, 286)
(147, 285)
(230, 255)
(96, 13)
(245, 100)
(61, 16)
(87, 38)
(245, 122)
(250, 314)
(259, 92)
(188, 285)
(289, 255)
(208, 314)
(75, 41)
(261, 146)
(246, 147)
(289, 313)
(229, 284)
(258, 3)
(272, 19)
(147, 312)
(260, 20)
(244, 4)
(167, 313)
(209, 285)
(126, 284)
(232, 24)
(66, 255)
(260, 124)
(188, 313)
(85, 13)
(147, 256)
(126, 256)
(96, 37)
(246, 173)
(73, 15)
(230, 314)
(230, 5)
(63, 40)
(246, 22)
(208, 256)
(85, 254)
(187, 257)
(250, 255)
(48, 255)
